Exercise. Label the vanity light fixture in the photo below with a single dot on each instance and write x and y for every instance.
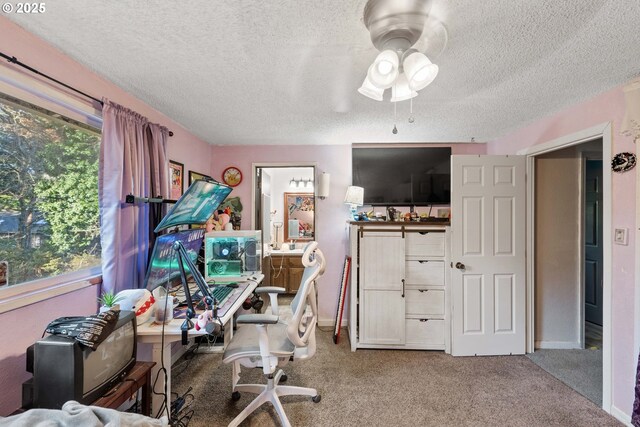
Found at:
(301, 184)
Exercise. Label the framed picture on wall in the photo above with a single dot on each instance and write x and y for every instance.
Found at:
(176, 176)
(299, 218)
(193, 175)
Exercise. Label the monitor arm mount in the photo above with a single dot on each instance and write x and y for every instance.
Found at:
(209, 301)
(131, 199)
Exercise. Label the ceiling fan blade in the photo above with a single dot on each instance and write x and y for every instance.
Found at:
(434, 38)
(342, 90)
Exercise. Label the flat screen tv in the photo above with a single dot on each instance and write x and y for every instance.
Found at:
(65, 370)
(403, 176)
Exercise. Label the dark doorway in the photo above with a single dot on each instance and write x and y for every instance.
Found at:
(593, 253)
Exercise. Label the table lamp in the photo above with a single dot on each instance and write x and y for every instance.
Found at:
(354, 198)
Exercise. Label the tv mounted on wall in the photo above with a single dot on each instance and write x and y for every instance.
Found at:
(403, 176)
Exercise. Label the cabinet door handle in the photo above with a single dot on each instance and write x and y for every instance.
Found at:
(423, 290)
(424, 320)
(402, 288)
(423, 232)
(422, 261)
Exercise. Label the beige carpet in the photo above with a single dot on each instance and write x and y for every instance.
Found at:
(396, 388)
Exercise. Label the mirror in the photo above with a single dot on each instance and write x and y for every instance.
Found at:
(299, 211)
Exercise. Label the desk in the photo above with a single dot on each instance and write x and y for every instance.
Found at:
(151, 334)
(138, 378)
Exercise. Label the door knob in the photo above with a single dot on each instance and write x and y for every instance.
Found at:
(459, 266)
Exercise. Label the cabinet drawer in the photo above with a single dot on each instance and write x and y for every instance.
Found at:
(430, 243)
(293, 261)
(424, 272)
(424, 332)
(425, 302)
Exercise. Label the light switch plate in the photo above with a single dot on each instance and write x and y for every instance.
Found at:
(620, 236)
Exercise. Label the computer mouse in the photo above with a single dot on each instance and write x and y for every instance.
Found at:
(232, 285)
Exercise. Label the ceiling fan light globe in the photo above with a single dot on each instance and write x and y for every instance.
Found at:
(401, 90)
(371, 91)
(385, 67)
(421, 75)
(380, 74)
(420, 70)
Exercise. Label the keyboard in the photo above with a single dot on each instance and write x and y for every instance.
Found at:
(221, 293)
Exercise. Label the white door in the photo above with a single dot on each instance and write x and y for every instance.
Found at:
(382, 289)
(488, 255)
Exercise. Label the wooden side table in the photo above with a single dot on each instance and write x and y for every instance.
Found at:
(138, 378)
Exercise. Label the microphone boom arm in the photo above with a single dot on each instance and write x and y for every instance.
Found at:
(209, 301)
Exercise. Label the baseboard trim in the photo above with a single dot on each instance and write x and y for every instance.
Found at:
(558, 345)
(621, 416)
(323, 323)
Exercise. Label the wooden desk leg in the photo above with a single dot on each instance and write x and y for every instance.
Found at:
(157, 399)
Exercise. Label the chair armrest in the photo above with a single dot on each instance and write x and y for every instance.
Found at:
(269, 290)
(257, 319)
(273, 292)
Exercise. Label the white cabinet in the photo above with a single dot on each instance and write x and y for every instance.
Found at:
(382, 293)
(399, 292)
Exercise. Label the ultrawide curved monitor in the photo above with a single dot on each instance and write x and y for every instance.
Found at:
(196, 205)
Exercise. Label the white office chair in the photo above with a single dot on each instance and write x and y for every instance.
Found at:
(272, 342)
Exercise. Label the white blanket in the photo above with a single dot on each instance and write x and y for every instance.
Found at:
(75, 414)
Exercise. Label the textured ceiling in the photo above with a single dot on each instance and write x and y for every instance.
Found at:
(285, 72)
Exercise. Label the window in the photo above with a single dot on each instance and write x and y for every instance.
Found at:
(49, 217)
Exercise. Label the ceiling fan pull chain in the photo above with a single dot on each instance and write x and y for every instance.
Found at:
(411, 118)
(395, 118)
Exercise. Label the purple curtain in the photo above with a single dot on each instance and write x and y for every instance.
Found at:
(132, 161)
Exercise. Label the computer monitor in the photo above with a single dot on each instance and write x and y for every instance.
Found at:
(163, 267)
(196, 205)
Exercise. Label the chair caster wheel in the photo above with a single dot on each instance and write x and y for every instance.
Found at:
(235, 396)
(316, 398)
(284, 378)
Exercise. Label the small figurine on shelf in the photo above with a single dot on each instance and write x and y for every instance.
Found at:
(233, 208)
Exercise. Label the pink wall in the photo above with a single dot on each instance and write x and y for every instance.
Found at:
(607, 107)
(22, 327)
(332, 213)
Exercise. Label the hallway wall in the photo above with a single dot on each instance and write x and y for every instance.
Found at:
(557, 273)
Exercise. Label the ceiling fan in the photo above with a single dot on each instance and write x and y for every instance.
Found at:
(403, 26)
(395, 28)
